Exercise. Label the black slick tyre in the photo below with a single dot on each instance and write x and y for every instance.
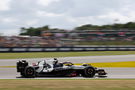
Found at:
(30, 72)
(89, 72)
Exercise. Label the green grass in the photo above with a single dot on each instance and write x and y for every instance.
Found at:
(67, 84)
(61, 54)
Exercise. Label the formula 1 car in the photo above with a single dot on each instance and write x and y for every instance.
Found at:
(55, 69)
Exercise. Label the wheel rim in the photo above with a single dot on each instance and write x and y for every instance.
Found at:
(30, 71)
(90, 71)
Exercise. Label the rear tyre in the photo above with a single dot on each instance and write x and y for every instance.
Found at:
(30, 72)
(22, 74)
(89, 72)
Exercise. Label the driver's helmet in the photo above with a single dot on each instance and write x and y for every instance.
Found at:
(55, 60)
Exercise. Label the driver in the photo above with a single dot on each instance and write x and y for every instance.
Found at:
(56, 64)
(55, 60)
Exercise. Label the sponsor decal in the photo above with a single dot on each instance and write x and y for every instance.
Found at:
(50, 49)
(4, 49)
(78, 49)
(65, 49)
(19, 49)
(101, 48)
(35, 49)
(90, 49)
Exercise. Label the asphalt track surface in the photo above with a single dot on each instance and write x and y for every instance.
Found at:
(113, 73)
(83, 59)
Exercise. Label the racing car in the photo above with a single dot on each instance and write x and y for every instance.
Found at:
(55, 69)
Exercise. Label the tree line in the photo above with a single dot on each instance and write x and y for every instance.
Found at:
(32, 31)
(129, 26)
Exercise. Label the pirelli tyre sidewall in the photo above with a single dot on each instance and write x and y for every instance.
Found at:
(89, 72)
(29, 72)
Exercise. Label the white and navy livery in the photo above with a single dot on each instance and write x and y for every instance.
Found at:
(53, 68)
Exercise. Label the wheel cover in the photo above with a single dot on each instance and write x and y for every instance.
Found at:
(90, 71)
(30, 71)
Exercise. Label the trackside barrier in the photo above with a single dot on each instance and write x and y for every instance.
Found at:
(65, 49)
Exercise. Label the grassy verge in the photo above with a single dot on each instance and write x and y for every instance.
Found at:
(67, 84)
(62, 54)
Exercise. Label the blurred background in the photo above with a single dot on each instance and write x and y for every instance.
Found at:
(62, 23)
(85, 35)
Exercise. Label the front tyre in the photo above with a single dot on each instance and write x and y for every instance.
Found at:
(89, 72)
(30, 72)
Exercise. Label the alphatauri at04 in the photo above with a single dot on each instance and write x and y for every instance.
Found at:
(53, 68)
